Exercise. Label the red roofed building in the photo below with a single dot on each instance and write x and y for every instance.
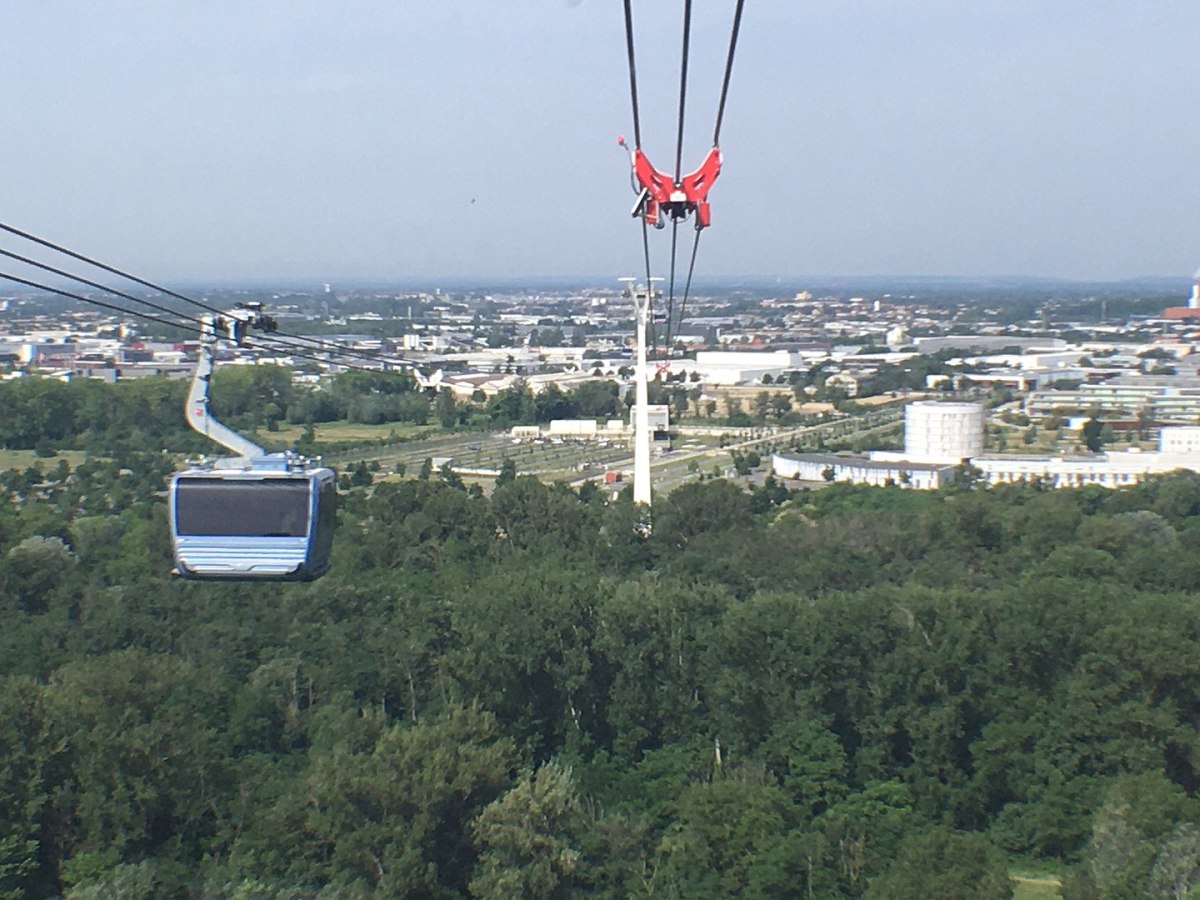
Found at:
(1192, 310)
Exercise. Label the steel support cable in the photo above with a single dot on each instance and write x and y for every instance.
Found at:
(256, 344)
(687, 286)
(115, 271)
(637, 126)
(185, 320)
(285, 339)
(120, 309)
(107, 268)
(733, 37)
(637, 143)
(94, 284)
(109, 306)
(280, 335)
(333, 347)
(323, 344)
(649, 288)
(683, 70)
(671, 284)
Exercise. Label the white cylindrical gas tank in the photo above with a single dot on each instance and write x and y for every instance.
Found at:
(943, 432)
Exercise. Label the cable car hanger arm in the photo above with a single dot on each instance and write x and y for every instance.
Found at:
(233, 324)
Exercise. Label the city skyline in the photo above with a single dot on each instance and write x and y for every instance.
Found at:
(474, 141)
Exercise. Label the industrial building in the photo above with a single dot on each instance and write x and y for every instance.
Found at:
(1163, 397)
(938, 437)
(658, 416)
(1192, 310)
(860, 470)
(1178, 448)
(942, 432)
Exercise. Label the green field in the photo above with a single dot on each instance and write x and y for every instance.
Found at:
(23, 459)
(346, 432)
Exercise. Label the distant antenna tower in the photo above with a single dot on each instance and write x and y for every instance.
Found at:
(641, 414)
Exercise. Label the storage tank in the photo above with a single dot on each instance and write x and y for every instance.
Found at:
(943, 432)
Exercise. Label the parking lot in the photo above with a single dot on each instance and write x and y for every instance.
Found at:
(479, 455)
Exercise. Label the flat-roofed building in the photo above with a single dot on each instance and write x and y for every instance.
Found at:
(1165, 397)
(1178, 448)
(860, 470)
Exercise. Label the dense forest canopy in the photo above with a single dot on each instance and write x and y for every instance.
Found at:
(851, 692)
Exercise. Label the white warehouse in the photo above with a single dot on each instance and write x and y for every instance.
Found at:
(857, 470)
(1178, 448)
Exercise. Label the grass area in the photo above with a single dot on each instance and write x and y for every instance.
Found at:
(1035, 885)
(1050, 443)
(346, 432)
(23, 459)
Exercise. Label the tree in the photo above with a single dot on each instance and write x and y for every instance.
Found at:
(508, 472)
(762, 406)
(781, 404)
(680, 400)
(396, 813)
(1177, 864)
(446, 408)
(1143, 833)
(741, 462)
(942, 863)
(866, 828)
(360, 475)
(22, 790)
(136, 761)
(696, 508)
(1093, 434)
(514, 405)
(256, 393)
(452, 478)
(528, 838)
(33, 569)
(595, 399)
(551, 403)
(724, 841)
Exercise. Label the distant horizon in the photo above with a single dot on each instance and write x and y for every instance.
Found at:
(447, 282)
(787, 283)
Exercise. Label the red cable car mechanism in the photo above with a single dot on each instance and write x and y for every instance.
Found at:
(660, 195)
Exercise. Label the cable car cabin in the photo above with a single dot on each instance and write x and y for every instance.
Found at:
(271, 524)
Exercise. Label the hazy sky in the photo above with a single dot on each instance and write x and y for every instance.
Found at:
(423, 138)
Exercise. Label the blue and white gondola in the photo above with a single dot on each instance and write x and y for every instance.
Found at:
(263, 522)
(257, 516)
